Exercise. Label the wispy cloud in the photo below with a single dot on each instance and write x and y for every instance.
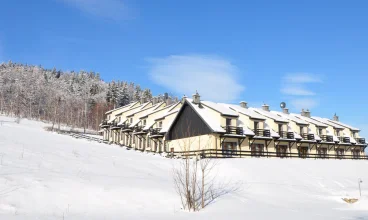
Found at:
(295, 87)
(303, 103)
(110, 9)
(215, 78)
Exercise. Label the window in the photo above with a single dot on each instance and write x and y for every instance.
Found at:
(281, 151)
(108, 117)
(280, 128)
(320, 131)
(119, 119)
(356, 154)
(256, 125)
(340, 153)
(337, 133)
(301, 130)
(322, 152)
(160, 124)
(131, 120)
(229, 148)
(257, 150)
(354, 135)
(303, 152)
(228, 122)
(144, 122)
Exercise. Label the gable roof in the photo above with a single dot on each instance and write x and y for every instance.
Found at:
(268, 114)
(149, 109)
(325, 121)
(245, 111)
(122, 107)
(291, 118)
(344, 125)
(310, 120)
(223, 110)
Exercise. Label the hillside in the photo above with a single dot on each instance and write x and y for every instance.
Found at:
(45, 175)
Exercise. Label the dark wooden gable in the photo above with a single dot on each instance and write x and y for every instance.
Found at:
(187, 124)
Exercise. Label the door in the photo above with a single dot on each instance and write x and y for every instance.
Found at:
(322, 152)
(356, 154)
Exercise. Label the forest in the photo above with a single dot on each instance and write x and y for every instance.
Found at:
(76, 99)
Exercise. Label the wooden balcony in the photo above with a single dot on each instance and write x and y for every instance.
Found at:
(104, 124)
(262, 132)
(155, 131)
(138, 128)
(344, 140)
(233, 130)
(360, 140)
(308, 137)
(286, 135)
(327, 138)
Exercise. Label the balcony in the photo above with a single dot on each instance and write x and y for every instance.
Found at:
(327, 138)
(115, 125)
(286, 135)
(233, 130)
(138, 128)
(104, 124)
(360, 140)
(262, 132)
(309, 137)
(155, 131)
(344, 140)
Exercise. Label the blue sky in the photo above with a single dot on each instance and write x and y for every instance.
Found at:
(310, 54)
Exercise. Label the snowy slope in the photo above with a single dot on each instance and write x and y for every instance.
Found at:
(45, 175)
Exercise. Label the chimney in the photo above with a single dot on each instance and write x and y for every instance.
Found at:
(335, 117)
(168, 101)
(307, 113)
(154, 100)
(285, 110)
(266, 107)
(196, 98)
(243, 104)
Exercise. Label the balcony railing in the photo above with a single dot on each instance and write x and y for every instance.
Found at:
(309, 137)
(344, 139)
(155, 131)
(360, 140)
(327, 138)
(233, 130)
(262, 132)
(286, 134)
(138, 128)
(104, 124)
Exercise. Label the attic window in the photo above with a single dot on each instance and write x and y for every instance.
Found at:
(144, 122)
(131, 120)
(160, 124)
(228, 122)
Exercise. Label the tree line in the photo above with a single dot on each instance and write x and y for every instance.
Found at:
(77, 99)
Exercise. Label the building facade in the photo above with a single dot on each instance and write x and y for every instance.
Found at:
(193, 126)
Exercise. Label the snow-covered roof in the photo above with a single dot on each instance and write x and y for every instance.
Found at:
(165, 114)
(309, 120)
(273, 133)
(150, 109)
(122, 107)
(291, 118)
(111, 120)
(204, 113)
(344, 125)
(325, 121)
(271, 115)
(166, 109)
(245, 111)
(246, 130)
(219, 107)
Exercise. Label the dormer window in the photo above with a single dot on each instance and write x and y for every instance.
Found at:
(131, 120)
(256, 125)
(354, 134)
(144, 122)
(160, 124)
(301, 130)
(320, 131)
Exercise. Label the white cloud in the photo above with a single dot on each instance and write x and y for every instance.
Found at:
(301, 78)
(110, 9)
(215, 78)
(295, 90)
(295, 87)
(304, 103)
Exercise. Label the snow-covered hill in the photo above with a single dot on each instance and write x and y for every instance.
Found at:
(45, 175)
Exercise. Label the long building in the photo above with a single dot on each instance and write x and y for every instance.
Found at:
(227, 130)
